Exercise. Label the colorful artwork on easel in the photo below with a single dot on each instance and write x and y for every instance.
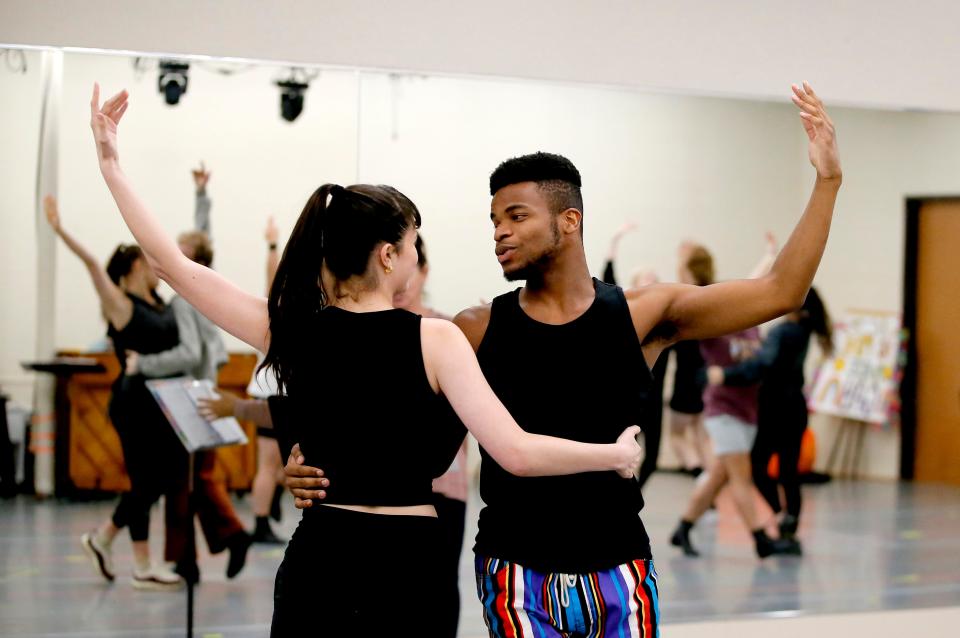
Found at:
(861, 380)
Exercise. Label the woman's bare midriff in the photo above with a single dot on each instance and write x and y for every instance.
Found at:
(408, 510)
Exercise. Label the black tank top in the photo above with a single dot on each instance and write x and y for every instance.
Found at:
(365, 411)
(584, 380)
(152, 328)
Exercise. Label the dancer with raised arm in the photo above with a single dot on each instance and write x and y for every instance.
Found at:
(364, 383)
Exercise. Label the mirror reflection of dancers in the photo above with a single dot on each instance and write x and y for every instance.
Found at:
(199, 354)
(137, 319)
(652, 397)
(781, 405)
(266, 490)
(364, 382)
(731, 421)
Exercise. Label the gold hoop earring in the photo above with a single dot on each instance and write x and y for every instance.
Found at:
(388, 269)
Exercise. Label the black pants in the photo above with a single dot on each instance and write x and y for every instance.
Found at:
(354, 574)
(781, 423)
(152, 455)
(451, 514)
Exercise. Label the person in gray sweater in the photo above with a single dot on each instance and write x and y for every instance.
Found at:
(200, 355)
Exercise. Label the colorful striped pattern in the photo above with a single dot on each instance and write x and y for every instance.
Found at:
(621, 602)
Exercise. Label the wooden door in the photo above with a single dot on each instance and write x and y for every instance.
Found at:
(937, 456)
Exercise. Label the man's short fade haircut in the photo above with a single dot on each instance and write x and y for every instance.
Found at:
(555, 175)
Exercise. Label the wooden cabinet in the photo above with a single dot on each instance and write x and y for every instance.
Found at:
(94, 457)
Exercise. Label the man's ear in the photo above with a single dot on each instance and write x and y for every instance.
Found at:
(571, 220)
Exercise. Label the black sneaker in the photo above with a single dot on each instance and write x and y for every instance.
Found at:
(238, 545)
(788, 527)
(681, 539)
(767, 546)
(787, 547)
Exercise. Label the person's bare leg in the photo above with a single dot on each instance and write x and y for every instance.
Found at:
(141, 554)
(742, 490)
(680, 425)
(704, 493)
(744, 495)
(701, 441)
(264, 485)
(264, 482)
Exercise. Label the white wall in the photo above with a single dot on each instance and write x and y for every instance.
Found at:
(719, 171)
(20, 103)
(861, 52)
(260, 165)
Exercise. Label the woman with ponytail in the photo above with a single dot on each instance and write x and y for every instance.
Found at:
(782, 406)
(367, 389)
(138, 320)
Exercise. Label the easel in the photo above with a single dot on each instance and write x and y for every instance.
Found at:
(855, 384)
(191, 540)
(848, 445)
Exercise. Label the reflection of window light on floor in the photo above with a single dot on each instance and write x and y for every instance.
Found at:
(786, 613)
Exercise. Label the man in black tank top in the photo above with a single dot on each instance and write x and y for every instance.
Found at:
(565, 354)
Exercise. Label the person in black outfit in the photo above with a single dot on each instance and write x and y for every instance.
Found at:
(691, 445)
(367, 389)
(782, 406)
(137, 320)
(652, 397)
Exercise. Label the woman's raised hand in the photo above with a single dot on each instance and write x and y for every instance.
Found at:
(104, 120)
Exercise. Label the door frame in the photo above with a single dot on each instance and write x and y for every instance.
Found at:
(908, 385)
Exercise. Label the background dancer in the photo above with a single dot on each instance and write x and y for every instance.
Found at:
(137, 318)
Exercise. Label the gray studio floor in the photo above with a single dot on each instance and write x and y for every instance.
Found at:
(869, 546)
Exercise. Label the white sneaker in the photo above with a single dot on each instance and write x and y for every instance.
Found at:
(100, 555)
(156, 578)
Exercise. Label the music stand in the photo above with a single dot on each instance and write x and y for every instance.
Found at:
(178, 399)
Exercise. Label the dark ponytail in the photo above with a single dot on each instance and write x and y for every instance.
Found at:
(815, 318)
(122, 260)
(339, 227)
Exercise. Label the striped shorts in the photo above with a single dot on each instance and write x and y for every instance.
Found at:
(620, 602)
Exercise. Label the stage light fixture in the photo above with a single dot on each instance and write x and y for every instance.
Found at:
(172, 81)
(291, 98)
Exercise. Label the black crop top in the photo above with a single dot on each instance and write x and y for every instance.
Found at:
(365, 411)
(152, 328)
